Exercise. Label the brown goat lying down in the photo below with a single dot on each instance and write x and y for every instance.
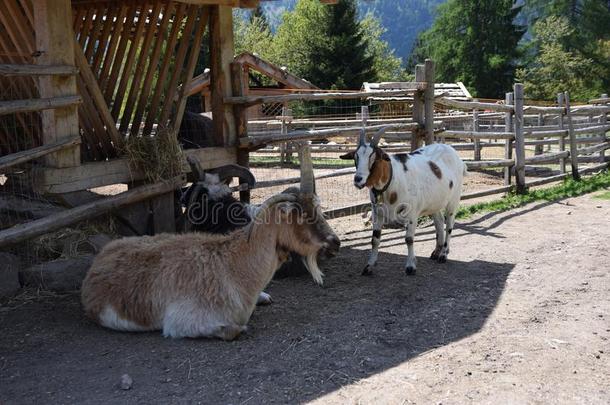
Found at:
(203, 285)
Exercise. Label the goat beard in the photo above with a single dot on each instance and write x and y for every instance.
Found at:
(311, 262)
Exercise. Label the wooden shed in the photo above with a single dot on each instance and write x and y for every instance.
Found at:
(77, 77)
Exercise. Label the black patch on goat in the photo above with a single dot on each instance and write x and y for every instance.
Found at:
(402, 158)
(220, 215)
(196, 131)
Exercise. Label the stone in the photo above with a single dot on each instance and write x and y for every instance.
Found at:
(58, 275)
(9, 274)
(126, 382)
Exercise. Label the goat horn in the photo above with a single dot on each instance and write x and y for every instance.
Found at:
(196, 168)
(377, 136)
(229, 171)
(362, 138)
(307, 178)
(271, 201)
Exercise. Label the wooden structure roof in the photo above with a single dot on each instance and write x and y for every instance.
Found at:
(455, 91)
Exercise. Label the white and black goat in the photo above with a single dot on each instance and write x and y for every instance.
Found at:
(202, 284)
(405, 186)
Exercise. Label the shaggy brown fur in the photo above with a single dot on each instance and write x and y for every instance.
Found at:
(140, 277)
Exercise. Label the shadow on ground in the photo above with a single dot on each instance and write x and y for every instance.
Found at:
(311, 342)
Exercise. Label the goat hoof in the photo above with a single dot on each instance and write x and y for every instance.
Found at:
(367, 271)
(442, 258)
(435, 255)
(410, 271)
(264, 299)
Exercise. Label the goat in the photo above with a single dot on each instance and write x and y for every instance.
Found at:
(403, 187)
(210, 207)
(196, 130)
(201, 284)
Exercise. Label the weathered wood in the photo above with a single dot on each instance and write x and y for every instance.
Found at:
(519, 140)
(590, 109)
(596, 129)
(28, 105)
(37, 70)
(603, 120)
(508, 145)
(273, 71)
(347, 211)
(534, 109)
(572, 135)
(475, 135)
(593, 149)
(294, 180)
(253, 141)
(429, 101)
(99, 103)
(34, 153)
(115, 171)
(561, 125)
(253, 100)
(544, 134)
(546, 158)
(489, 163)
(53, 32)
(418, 109)
(601, 100)
(59, 220)
(221, 55)
(471, 105)
(239, 88)
(475, 128)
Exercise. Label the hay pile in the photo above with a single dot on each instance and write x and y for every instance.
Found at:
(158, 157)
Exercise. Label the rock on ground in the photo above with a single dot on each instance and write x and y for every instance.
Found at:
(58, 275)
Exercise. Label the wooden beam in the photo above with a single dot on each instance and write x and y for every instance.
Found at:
(25, 231)
(429, 101)
(275, 72)
(37, 70)
(54, 36)
(519, 140)
(34, 153)
(573, 147)
(38, 104)
(221, 56)
(115, 171)
(470, 105)
(253, 100)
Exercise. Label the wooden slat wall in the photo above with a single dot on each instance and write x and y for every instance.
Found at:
(133, 58)
(17, 46)
(139, 54)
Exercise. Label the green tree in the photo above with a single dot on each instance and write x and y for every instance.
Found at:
(555, 68)
(252, 35)
(326, 45)
(476, 42)
(385, 63)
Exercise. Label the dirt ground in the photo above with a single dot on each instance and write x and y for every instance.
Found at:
(519, 314)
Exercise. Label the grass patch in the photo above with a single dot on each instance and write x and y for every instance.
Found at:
(603, 196)
(569, 188)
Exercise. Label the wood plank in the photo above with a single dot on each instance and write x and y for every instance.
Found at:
(137, 77)
(273, 71)
(97, 97)
(572, 135)
(470, 105)
(429, 101)
(28, 105)
(115, 171)
(90, 210)
(52, 35)
(101, 48)
(188, 72)
(221, 56)
(519, 140)
(126, 73)
(179, 59)
(152, 68)
(475, 135)
(546, 158)
(37, 70)
(34, 153)
(111, 49)
(165, 64)
(253, 100)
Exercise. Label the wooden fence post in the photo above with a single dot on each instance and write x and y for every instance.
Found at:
(539, 149)
(239, 87)
(475, 128)
(429, 100)
(508, 146)
(603, 121)
(562, 138)
(418, 109)
(519, 140)
(54, 38)
(572, 135)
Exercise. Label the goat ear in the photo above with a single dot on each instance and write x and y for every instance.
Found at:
(348, 155)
